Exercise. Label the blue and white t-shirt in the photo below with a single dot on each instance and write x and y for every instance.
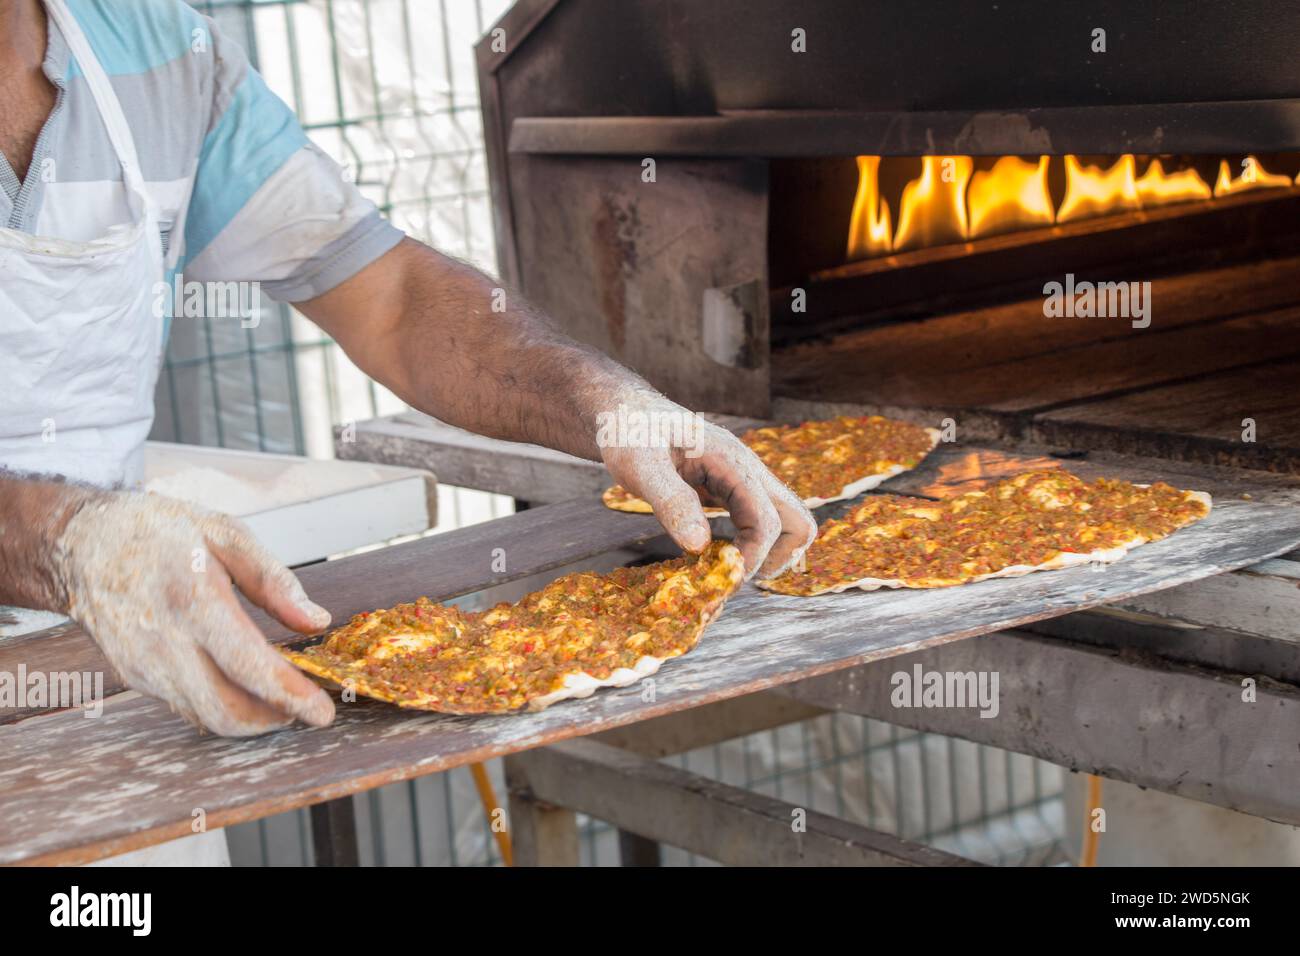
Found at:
(235, 179)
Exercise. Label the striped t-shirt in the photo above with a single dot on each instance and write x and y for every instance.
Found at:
(236, 181)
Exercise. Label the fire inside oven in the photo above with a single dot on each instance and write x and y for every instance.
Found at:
(1137, 302)
(959, 198)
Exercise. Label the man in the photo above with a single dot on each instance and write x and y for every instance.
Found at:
(136, 142)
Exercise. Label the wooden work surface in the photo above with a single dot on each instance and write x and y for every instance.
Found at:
(1260, 602)
(537, 474)
(448, 566)
(74, 789)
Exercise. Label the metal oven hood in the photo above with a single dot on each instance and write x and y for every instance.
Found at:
(886, 77)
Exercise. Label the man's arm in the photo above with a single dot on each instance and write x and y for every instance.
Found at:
(423, 325)
(33, 515)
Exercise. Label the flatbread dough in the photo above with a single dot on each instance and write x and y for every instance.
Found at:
(1036, 521)
(618, 498)
(822, 461)
(581, 632)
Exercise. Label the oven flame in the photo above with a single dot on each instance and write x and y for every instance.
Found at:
(1012, 195)
(1252, 176)
(1091, 191)
(952, 201)
(933, 208)
(869, 231)
(1156, 187)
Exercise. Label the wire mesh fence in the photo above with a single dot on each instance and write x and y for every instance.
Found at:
(387, 87)
(974, 801)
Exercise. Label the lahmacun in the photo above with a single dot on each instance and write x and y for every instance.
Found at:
(580, 632)
(1036, 521)
(822, 461)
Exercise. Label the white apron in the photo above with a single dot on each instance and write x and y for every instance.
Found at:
(80, 349)
(80, 346)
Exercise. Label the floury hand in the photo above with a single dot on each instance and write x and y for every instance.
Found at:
(153, 580)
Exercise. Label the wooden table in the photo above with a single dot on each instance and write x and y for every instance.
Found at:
(1116, 691)
(74, 789)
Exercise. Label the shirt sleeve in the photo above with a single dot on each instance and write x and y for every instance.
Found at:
(267, 205)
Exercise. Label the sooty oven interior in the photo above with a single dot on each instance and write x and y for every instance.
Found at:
(781, 210)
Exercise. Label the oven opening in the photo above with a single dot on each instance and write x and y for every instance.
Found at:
(1087, 301)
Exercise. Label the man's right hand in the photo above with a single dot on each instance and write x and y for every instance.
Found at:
(152, 580)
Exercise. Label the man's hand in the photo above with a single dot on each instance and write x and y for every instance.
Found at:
(679, 460)
(151, 580)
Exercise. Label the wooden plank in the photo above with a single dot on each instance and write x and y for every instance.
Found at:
(463, 459)
(707, 725)
(1135, 364)
(682, 809)
(546, 832)
(541, 475)
(441, 566)
(467, 460)
(1262, 601)
(1199, 420)
(636, 850)
(1179, 729)
(334, 833)
(131, 777)
(953, 469)
(1151, 637)
(911, 363)
(540, 834)
(1140, 360)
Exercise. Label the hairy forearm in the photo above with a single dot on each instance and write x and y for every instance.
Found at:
(33, 514)
(463, 349)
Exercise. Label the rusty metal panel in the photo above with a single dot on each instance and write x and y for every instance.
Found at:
(627, 265)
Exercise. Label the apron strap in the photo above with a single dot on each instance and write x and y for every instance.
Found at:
(110, 110)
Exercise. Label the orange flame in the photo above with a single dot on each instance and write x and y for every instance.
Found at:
(869, 230)
(1252, 176)
(1158, 188)
(951, 201)
(1012, 195)
(933, 208)
(1090, 191)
